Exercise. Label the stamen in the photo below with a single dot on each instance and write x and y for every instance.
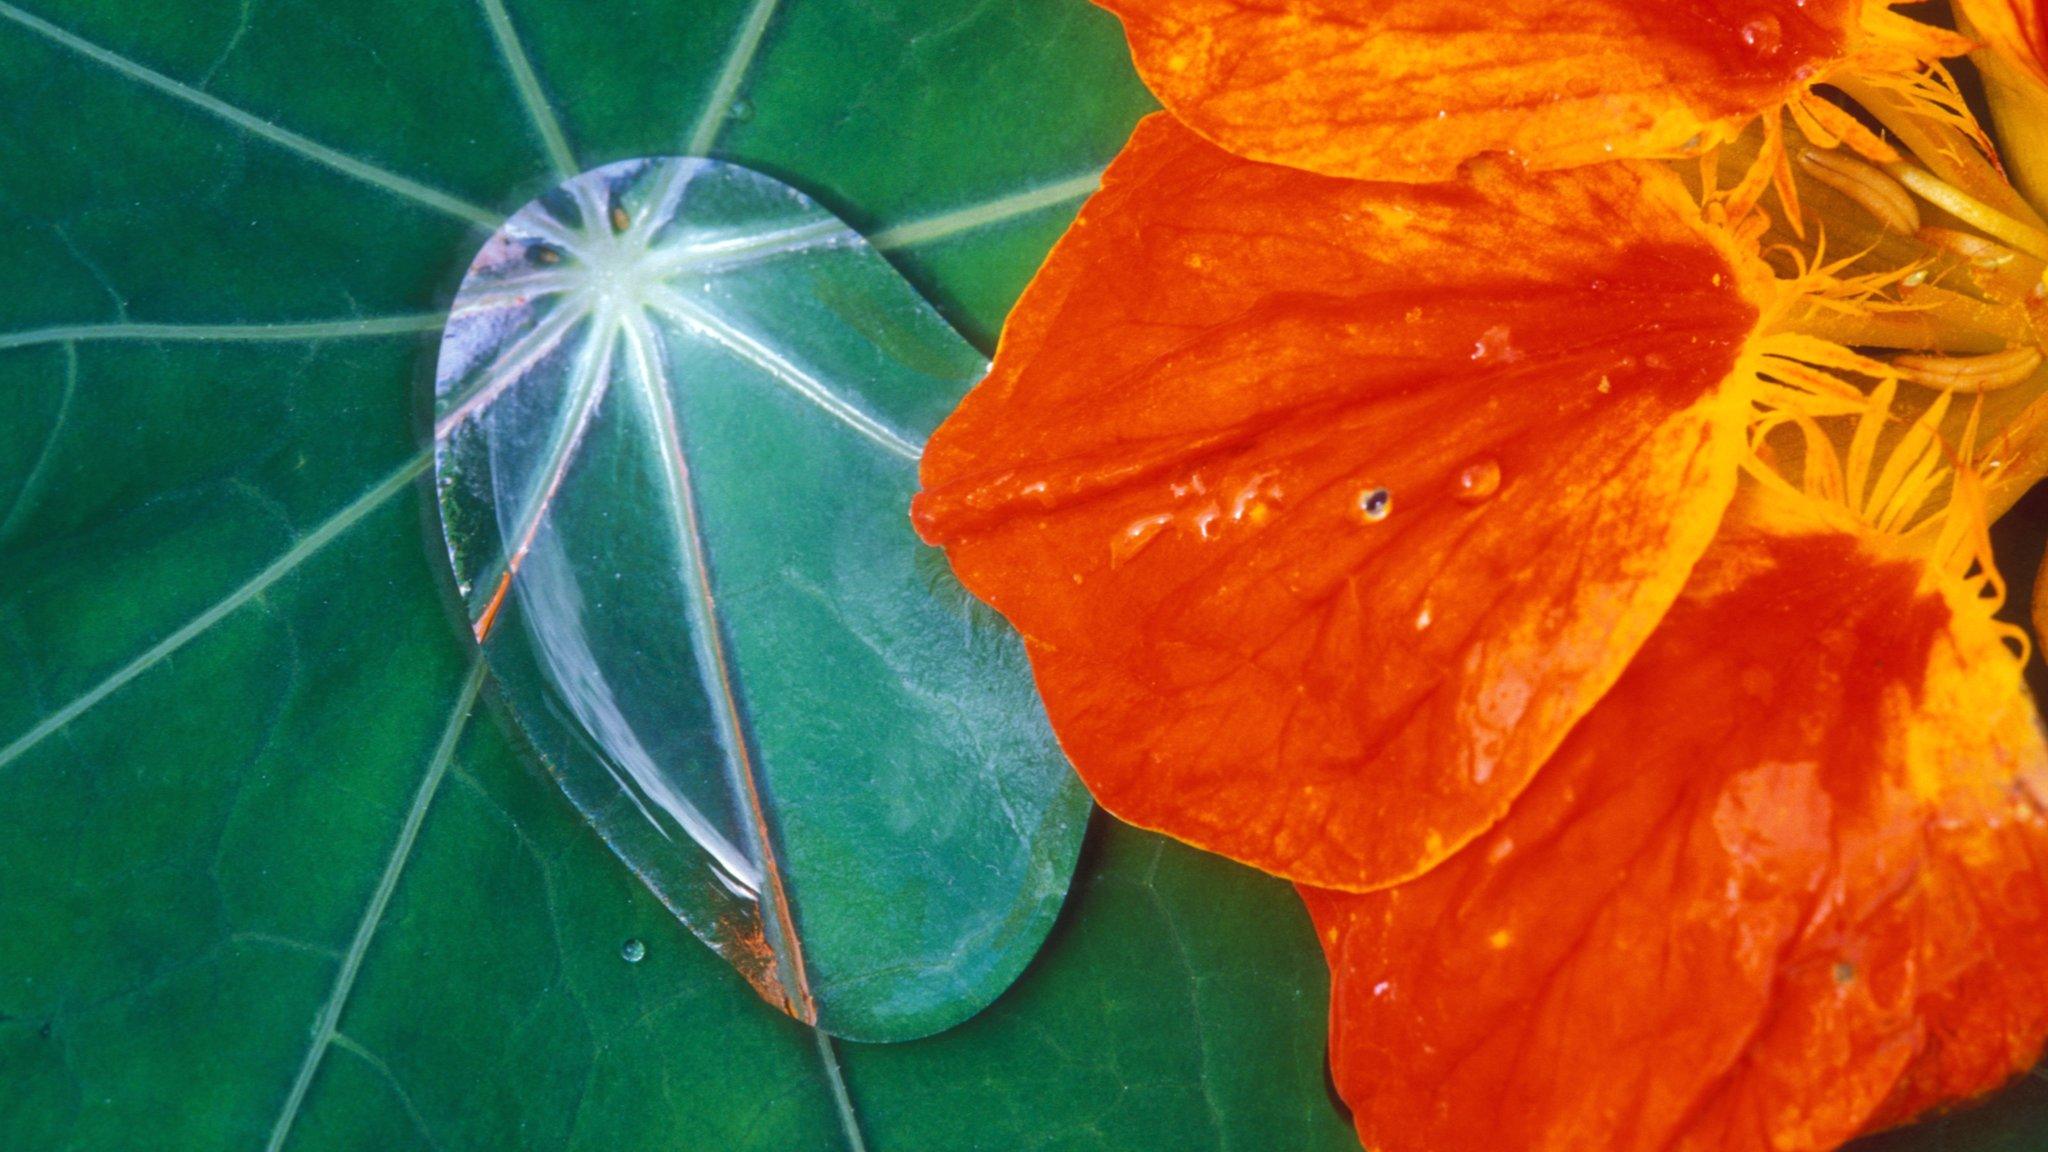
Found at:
(1976, 249)
(1971, 210)
(1987, 373)
(1866, 184)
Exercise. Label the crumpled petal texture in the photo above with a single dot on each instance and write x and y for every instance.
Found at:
(1326, 507)
(1408, 89)
(1786, 884)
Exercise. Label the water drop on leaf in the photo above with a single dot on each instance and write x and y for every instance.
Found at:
(680, 409)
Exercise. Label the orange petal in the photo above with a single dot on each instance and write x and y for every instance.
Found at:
(1407, 89)
(1787, 883)
(2015, 29)
(1326, 507)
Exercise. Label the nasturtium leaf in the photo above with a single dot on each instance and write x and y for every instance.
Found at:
(679, 412)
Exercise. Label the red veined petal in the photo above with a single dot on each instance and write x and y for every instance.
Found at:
(1786, 883)
(2016, 29)
(1408, 89)
(1326, 507)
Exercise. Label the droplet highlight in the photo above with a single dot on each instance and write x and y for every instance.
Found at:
(1477, 482)
(1763, 35)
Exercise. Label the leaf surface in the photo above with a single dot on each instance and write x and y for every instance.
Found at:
(277, 873)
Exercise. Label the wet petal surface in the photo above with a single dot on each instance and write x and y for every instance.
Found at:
(1326, 507)
(1787, 883)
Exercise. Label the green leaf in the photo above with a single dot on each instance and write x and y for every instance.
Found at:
(679, 412)
(270, 873)
(276, 869)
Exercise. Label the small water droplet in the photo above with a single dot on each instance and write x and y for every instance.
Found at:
(1844, 972)
(1764, 35)
(632, 951)
(1478, 481)
(1374, 504)
(1497, 342)
(742, 110)
(1134, 537)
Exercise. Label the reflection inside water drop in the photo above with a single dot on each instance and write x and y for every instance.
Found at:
(633, 951)
(1764, 35)
(1374, 504)
(1477, 482)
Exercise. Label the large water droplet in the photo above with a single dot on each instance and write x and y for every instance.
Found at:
(1764, 35)
(1374, 504)
(1477, 482)
(632, 951)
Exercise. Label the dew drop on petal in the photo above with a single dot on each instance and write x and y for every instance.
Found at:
(1497, 343)
(632, 951)
(1477, 482)
(1135, 536)
(1374, 504)
(1763, 35)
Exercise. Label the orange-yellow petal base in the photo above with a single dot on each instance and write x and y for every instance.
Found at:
(1326, 507)
(1787, 883)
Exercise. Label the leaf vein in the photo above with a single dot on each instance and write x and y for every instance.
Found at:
(326, 1023)
(254, 125)
(530, 91)
(746, 44)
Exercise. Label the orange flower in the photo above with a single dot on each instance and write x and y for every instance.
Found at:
(1786, 883)
(1379, 535)
(1282, 475)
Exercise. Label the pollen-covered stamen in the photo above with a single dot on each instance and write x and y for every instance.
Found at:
(1866, 184)
(1987, 373)
(1972, 211)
